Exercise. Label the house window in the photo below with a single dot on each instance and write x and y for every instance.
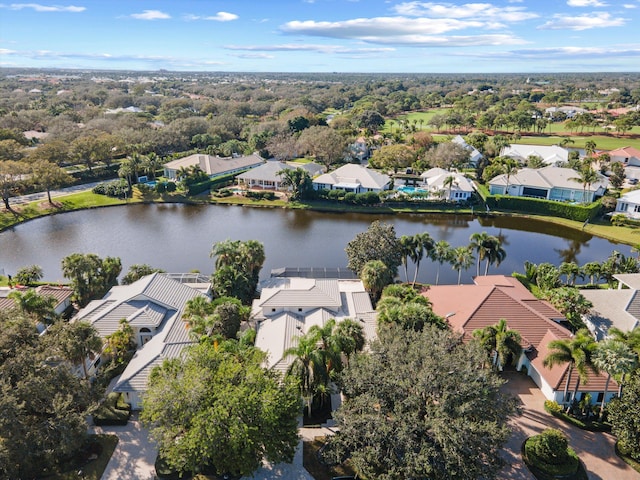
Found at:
(145, 335)
(273, 309)
(299, 309)
(636, 208)
(600, 397)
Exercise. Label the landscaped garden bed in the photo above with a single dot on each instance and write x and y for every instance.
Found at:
(549, 457)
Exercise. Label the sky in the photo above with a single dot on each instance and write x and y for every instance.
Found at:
(372, 36)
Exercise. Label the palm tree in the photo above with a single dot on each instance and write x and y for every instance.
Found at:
(494, 252)
(509, 167)
(571, 271)
(375, 275)
(408, 246)
(350, 334)
(575, 351)
(616, 358)
(449, 182)
(38, 307)
(330, 345)
(461, 259)
(586, 176)
(150, 163)
(589, 148)
(501, 342)
(126, 171)
(477, 243)
(226, 252)
(424, 247)
(308, 366)
(77, 341)
(593, 270)
(441, 253)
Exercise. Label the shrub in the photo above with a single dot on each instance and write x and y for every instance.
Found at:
(115, 188)
(552, 407)
(550, 453)
(171, 186)
(113, 411)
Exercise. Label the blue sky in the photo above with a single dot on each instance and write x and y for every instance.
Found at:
(324, 35)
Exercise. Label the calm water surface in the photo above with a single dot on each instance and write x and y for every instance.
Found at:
(178, 238)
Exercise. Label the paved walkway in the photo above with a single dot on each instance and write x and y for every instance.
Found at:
(54, 193)
(134, 455)
(595, 449)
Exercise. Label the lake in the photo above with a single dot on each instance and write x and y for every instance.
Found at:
(178, 238)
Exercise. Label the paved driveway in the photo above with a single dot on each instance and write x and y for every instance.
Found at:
(596, 450)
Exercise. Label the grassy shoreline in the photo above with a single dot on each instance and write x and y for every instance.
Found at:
(88, 200)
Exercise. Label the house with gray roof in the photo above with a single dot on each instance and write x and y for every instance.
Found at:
(353, 178)
(618, 308)
(213, 166)
(549, 183)
(266, 175)
(153, 306)
(436, 180)
(289, 306)
(550, 155)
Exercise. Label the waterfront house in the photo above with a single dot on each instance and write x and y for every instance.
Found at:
(629, 204)
(627, 156)
(549, 183)
(266, 175)
(153, 306)
(493, 297)
(353, 178)
(289, 306)
(437, 182)
(213, 166)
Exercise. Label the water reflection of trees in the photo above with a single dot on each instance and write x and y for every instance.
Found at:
(570, 254)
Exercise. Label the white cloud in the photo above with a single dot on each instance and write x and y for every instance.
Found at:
(301, 47)
(629, 5)
(420, 32)
(576, 52)
(47, 8)
(379, 27)
(582, 22)
(467, 10)
(218, 17)
(151, 15)
(586, 3)
(252, 56)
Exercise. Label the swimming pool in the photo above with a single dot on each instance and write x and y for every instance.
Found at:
(406, 189)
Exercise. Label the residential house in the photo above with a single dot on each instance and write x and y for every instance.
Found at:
(437, 182)
(550, 183)
(618, 307)
(628, 156)
(153, 306)
(289, 306)
(550, 155)
(629, 204)
(493, 297)
(353, 178)
(567, 111)
(213, 166)
(358, 150)
(266, 175)
(474, 155)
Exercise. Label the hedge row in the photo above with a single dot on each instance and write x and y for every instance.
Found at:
(210, 183)
(579, 213)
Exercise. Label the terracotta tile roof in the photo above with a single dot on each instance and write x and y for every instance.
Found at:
(625, 152)
(471, 307)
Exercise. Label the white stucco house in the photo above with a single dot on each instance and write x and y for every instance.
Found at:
(289, 306)
(551, 155)
(353, 178)
(213, 166)
(492, 297)
(628, 156)
(153, 306)
(436, 181)
(266, 175)
(629, 204)
(549, 183)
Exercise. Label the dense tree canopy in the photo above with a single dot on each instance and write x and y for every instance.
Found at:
(221, 410)
(43, 405)
(379, 242)
(91, 276)
(420, 405)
